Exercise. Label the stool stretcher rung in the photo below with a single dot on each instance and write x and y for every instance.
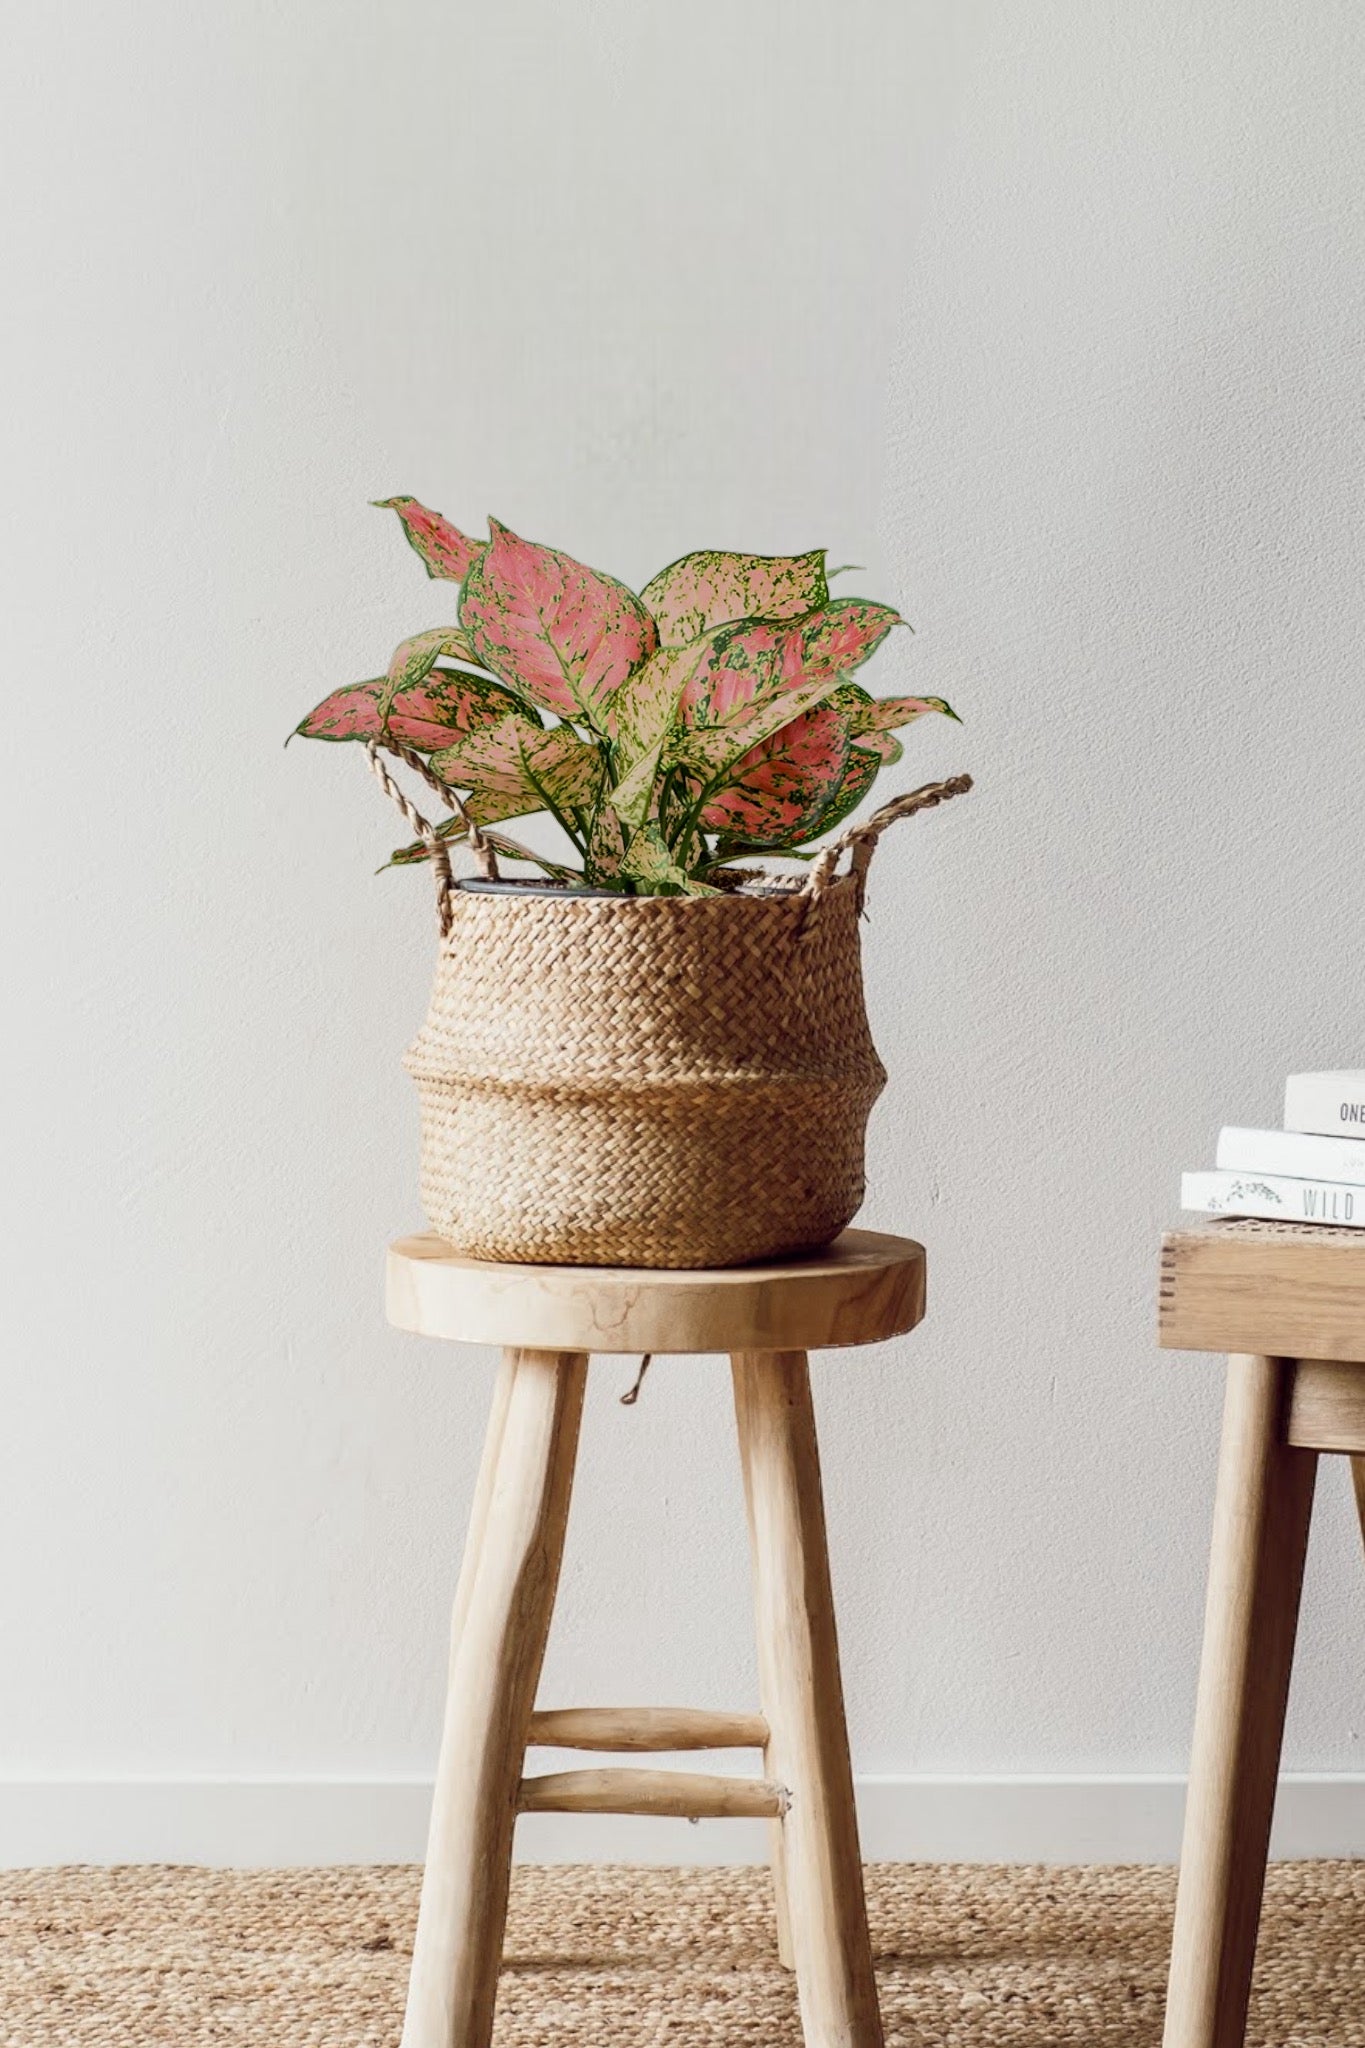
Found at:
(1326, 1406)
(646, 1728)
(683, 1795)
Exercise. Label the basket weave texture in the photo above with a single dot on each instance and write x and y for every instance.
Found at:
(651, 1081)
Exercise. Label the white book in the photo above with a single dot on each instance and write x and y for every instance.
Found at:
(1299, 1154)
(1333, 1105)
(1274, 1195)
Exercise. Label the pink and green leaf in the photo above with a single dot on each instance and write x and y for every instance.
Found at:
(521, 763)
(415, 658)
(759, 658)
(605, 849)
(452, 830)
(777, 792)
(466, 702)
(563, 634)
(649, 859)
(708, 589)
(512, 849)
(859, 776)
(738, 664)
(412, 658)
(639, 720)
(884, 745)
(491, 806)
(838, 639)
(711, 752)
(885, 714)
(754, 679)
(635, 795)
(351, 713)
(447, 554)
(735, 715)
(428, 715)
(642, 710)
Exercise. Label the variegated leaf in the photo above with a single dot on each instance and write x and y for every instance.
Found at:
(524, 764)
(757, 658)
(453, 831)
(738, 664)
(563, 634)
(445, 552)
(412, 659)
(491, 806)
(633, 798)
(884, 714)
(642, 710)
(512, 849)
(649, 859)
(691, 596)
(758, 676)
(884, 745)
(838, 639)
(859, 776)
(351, 713)
(639, 719)
(428, 715)
(605, 848)
(778, 790)
(710, 752)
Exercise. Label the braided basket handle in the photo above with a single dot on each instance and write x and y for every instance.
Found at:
(437, 849)
(860, 841)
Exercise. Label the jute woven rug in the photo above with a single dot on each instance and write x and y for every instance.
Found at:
(596, 1958)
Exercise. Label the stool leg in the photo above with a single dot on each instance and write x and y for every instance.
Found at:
(777, 1848)
(798, 1659)
(478, 1507)
(1260, 1538)
(1358, 1481)
(777, 1863)
(495, 1669)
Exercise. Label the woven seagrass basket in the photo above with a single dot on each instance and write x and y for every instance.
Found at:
(651, 1080)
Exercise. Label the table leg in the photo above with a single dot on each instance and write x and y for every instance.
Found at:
(1260, 1538)
(499, 1646)
(798, 1660)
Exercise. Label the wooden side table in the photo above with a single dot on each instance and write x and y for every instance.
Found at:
(1287, 1303)
(864, 1288)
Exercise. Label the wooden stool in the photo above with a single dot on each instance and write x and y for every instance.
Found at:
(864, 1288)
(1287, 1301)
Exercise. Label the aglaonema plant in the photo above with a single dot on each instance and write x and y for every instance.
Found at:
(711, 719)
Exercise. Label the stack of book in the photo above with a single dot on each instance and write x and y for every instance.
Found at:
(1313, 1171)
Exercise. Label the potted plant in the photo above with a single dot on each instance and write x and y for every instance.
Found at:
(657, 1055)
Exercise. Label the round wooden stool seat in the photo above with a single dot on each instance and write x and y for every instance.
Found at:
(861, 1289)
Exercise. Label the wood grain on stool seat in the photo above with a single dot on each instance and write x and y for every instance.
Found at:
(861, 1289)
(1293, 1290)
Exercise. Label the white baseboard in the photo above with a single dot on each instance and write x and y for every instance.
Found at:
(301, 1821)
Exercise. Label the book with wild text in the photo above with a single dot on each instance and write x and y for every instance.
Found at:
(1274, 1195)
(1301, 1155)
(1329, 1105)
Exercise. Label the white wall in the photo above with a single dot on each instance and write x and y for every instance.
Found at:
(1052, 317)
